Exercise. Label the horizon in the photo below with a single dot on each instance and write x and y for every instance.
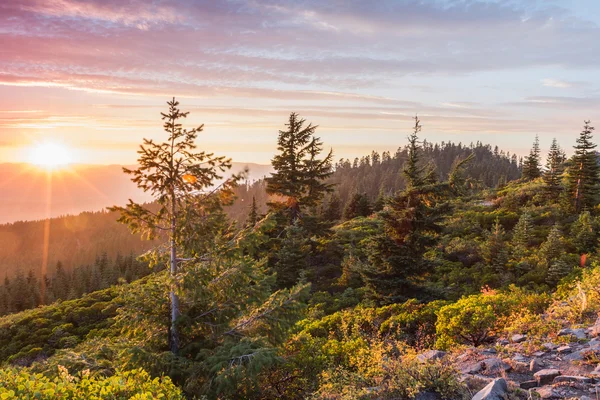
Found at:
(93, 77)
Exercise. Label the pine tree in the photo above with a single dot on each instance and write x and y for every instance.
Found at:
(358, 206)
(380, 201)
(552, 248)
(494, 249)
(253, 215)
(584, 233)
(523, 231)
(292, 256)
(299, 174)
(333, 210)
(182, 184)
(531, 165)
(557, 270)
(583, 174)
(413, 171)
(554, 169)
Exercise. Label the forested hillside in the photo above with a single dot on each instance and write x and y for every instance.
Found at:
(376, 175)
(73, 241)
(433, 272)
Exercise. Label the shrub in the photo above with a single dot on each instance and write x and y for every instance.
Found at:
(136, 384)
(474, 320)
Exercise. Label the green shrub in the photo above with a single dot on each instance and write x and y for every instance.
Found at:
(136, 384)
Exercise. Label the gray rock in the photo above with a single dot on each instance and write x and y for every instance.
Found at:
(528, 384)
(547, 392)
(518, 338)
(564, 349)
(539, 353)
(427, 396)
(494, 365)
(579, 333)
(495, 390)
(503, 342)
(546, 376)
(431, 355)
(565, 332)
(470, 368)
(535, 365)
(519, 357)
(573, 379)
(575, 356)
(549, 346)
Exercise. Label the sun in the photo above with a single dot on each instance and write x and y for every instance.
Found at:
(50, 155)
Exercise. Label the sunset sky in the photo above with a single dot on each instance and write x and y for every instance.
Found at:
(94, 75)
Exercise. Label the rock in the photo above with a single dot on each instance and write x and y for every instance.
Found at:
(535, 365)
(528, 384)
(503, 342)
(519, 358)
(431, 355)
(595, 329)
(518, 338)
(564, 349)
(565, 332)
(470, 368)
(546, 376)
(573, 379)
(491, 350)
(495, 365)
(547, 392)
(539, 354)
(576, 356)
(549, 346)
(579, 333)
(495, 390)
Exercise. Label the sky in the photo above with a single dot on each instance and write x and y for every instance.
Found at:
(94, 75)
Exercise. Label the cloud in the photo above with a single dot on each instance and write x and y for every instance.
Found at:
(557, 83)
(146, 48)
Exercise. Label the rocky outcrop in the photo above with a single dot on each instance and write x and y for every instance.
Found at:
(495, 390)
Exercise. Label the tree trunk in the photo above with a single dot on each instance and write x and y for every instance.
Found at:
(175, 313)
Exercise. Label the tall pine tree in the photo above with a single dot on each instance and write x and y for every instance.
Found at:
(531, 165)
(299, 177)
(583, 174)
(413, 171)
(554, 169)
(181, 181)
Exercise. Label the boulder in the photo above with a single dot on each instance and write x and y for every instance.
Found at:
(573, 379)
(579, 333)
(535, 365)
(564, 349)
(528, 384)
(518, 338)
(546, 376)
(431, 355)
(494, 365)
(549, 346)
(547, 392)
(427, 396)
(495, 390)
(470, 368)
(575, 356)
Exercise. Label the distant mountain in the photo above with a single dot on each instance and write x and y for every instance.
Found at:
(31, 193)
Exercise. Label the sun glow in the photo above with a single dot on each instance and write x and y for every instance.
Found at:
(50, 155)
